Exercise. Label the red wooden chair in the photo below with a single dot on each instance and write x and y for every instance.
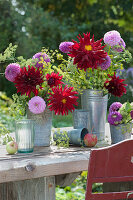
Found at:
(110, 164)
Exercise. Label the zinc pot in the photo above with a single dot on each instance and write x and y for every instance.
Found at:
(120, 132)
(94, 102)
(42, 127)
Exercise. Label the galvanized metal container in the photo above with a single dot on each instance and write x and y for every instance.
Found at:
(43, 124)
(80, 118)
(96, 104)
(120, 132)
(75, 136)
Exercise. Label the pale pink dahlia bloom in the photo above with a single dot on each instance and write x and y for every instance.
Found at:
(45, 59)
(65, 47)
(114, 118)
(106, 64)
(120, 46)
(12, 71)
(112, 38)
(115, 107)
(36, 105)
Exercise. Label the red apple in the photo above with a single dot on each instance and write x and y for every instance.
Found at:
(90, 140)
(11, 147)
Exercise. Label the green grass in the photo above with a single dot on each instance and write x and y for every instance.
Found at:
(62, 121)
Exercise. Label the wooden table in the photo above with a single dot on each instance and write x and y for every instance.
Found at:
(34, 176)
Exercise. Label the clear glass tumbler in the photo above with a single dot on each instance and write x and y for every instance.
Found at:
(25, 135)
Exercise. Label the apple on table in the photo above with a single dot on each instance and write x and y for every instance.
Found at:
(11, 147)
(90, 140)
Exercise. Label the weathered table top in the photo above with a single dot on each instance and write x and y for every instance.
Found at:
(42, 162)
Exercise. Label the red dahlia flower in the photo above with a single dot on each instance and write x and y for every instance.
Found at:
(28, 79)
(54, 79)
(62, 100)
(115, 85)
(87, 53)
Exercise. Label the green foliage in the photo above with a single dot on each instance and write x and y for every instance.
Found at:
(6, 119)
(62, 139)
(77, 190)
(19, 105)
(8, 54)
(4, 134)
(125, 112)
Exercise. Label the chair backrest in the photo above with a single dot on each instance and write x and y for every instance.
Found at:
(110, 164)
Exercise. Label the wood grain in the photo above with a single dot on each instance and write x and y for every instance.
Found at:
(33, 189)
(42, 163)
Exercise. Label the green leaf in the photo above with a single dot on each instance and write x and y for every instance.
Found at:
(128, 107)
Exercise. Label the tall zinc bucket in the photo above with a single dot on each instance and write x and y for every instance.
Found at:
(96, 104)
(42, 127)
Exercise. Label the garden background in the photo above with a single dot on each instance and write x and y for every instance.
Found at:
(33, 24)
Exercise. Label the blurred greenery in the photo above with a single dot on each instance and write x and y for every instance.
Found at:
(62, 121)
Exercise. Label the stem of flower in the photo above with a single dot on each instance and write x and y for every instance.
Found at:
(129, 121)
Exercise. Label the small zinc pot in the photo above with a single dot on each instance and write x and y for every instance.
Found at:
(75, 136)
(120, 132)
(43, 124)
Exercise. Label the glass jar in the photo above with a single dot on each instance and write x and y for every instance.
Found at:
(25, 135)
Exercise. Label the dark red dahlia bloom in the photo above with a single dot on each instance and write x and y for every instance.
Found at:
(54, 79)
(62, 100)
(28, 79)
(87, 53)
(115, 85)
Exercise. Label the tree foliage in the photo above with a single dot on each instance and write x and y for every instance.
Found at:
(33, 24)
(36, 23)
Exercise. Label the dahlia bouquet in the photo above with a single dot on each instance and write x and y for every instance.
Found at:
(93, 65)
(120, 113)
(39, 86)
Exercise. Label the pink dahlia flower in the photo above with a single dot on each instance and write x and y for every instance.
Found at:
(39, 55)
(12, 71)
(65, 47)
(106, 64)
(36, 105)
(114, 118)
(120, 45)
(112, 38)
(115, 107)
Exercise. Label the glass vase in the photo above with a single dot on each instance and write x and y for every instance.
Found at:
(25, 135)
